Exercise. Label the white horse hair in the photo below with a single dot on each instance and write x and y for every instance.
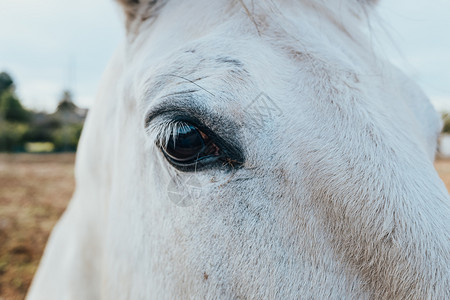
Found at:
(319, 180)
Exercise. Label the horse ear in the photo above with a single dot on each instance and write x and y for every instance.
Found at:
(130, 7)
(139, 10)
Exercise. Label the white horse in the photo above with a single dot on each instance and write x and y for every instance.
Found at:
(253, 150)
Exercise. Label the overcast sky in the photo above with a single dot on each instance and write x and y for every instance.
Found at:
(50, 45)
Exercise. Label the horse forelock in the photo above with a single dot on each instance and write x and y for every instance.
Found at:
(339, 12)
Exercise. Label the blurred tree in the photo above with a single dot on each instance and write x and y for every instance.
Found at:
(446, 120)
(39, 134)
(6, 82)
(12, 136)
(67, 137)
(11, 109)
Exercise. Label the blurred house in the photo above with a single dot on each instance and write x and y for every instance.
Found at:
(68, 112)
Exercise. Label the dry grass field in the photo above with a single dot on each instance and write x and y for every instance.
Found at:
(34, 191)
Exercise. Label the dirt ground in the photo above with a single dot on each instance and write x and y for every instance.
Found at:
(34, 191)
(443, 168)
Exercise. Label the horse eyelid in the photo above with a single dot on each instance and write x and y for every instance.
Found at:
(161, 125)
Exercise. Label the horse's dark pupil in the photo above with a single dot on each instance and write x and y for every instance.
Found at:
(187, 145)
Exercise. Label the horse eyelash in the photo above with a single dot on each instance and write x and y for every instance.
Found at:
(165, 130)
(161, 131)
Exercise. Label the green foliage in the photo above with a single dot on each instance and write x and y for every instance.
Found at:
(12, 136)
(6, 82)
(66, 138)
(446, 120)
(42, 131)
(38, 134)
(11, 109)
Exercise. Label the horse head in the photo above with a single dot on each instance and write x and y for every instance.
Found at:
(244, 149)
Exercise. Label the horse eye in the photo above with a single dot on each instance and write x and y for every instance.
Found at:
(187, 146)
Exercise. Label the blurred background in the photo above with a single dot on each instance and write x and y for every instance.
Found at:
(52, 54)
